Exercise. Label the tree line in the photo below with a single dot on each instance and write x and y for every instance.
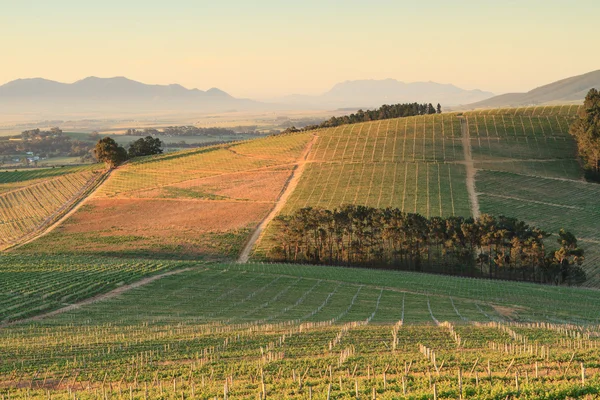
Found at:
(586, 130)
(492, 247)
(383, 112)
(43, 143)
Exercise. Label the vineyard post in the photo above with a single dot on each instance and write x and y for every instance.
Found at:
(329, 391)
(460, 387)
(403, 385)
(435, 394)
(517, 381)
(582, 374)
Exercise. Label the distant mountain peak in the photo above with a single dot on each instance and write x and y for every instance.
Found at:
(93, 86)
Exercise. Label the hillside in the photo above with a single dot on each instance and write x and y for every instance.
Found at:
(567, 90)
(206, 203)
(200, 203)
(31, 200)
(137, 289)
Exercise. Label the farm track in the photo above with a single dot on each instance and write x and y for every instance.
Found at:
(100, 297)
(43, 231)
(531, 201)
(287, 190)
(470, 168)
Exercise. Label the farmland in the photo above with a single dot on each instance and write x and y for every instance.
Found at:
(528, 169)
(198, 326)
(222, 330)
(191, 204)
(30, 200)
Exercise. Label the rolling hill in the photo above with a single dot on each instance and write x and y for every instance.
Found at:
(138, 289)
(569, 90)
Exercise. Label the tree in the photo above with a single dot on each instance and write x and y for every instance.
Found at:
(439, 108)
(586, 130)
(109, 152)
(145, 147)
(568, 258)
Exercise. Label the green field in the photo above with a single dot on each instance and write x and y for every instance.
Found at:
(259, 327)
(406, 163)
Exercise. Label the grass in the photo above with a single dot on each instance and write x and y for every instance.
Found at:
(244, 329)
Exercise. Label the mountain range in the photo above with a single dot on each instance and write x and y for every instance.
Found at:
(565, 91)
(119, 95)
(371, 93)
(92, 96)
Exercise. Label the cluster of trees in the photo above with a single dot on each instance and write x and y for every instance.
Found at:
(109, 151)
(500, 248)
(39, 134)
(383, 112)
(586, 130)
(180, 131)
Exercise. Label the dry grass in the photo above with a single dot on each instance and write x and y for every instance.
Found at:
(155, 227)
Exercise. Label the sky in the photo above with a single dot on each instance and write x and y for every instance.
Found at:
(268, 48)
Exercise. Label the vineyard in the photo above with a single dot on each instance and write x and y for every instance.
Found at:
(189, 168)
(105, 306)
(290, 331)
(37, 284)
(191, 204)
(27, 209)
(528, 169)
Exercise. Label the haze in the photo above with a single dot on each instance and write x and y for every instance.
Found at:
(265, 49)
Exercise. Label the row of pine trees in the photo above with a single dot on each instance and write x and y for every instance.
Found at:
(493, 247)
(383, 112)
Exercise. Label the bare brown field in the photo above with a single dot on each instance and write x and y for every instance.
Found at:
(260, 185)
(155, 226)
(201, 203)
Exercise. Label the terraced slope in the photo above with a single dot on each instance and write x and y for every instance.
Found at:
(31, 200)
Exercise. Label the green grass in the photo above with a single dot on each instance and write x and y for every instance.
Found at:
(426, 188)
(189, 333)
(32, 285)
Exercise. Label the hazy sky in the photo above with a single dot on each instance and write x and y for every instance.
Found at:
(261, 48)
